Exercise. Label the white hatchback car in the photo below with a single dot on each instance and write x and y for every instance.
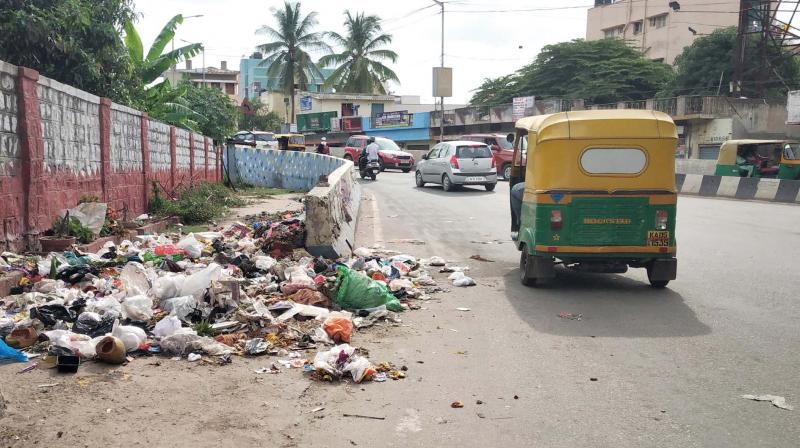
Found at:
(457, 163)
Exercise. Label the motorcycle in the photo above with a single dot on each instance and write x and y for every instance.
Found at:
(368, 169)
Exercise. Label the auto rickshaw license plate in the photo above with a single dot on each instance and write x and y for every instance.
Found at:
(659, 238)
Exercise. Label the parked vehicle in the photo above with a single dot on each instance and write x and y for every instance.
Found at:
(501, 148)
(259, 139)
(759, 158)
(457, 163)
(391, 156)
(367, 168)
(599, 193)
(291, 142)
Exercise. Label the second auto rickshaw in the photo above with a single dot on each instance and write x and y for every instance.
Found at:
(599, 193)
(759, 158)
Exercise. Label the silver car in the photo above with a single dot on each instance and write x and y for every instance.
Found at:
(457, 163)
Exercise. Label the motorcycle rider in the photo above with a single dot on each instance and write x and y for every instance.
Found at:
(370, 152)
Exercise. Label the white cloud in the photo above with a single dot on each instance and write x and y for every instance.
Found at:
(477, 45)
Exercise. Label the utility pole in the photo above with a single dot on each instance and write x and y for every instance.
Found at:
(441, 99)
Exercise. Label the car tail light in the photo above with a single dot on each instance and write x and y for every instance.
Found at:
(454, 162)
(494, 162)
(555, 219)
(661, 219)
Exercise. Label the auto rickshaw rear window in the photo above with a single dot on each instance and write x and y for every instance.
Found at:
(599, 161)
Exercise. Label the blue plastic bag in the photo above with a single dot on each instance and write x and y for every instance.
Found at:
(12, 354)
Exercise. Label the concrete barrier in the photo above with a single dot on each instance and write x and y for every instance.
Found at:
(696, 166)
(773, 190)
(333, 196)
(331, 214)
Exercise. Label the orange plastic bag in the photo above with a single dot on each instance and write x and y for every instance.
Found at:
(338, 328)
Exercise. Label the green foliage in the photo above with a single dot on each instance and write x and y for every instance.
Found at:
(72, 41)
(359, 67)
(260, 119)
(203, 328)
(700, 65)
(70, 226)
(287, 55)
(195, 205)
(217, 114)
(600, 71)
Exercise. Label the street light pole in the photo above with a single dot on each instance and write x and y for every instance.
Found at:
(441, 99)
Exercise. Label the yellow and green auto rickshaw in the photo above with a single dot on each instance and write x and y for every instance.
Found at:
(291, 142)
(759, 158)
(598, 193)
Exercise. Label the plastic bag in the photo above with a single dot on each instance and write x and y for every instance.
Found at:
(168, 286)
(176, 344)
(193, 248)
(357, 291)
(80, 344)
(363, 252)
(138, 308)
(134, 279)
(460, 279)
(338, 327)
(360, 369)
(131, 336)
(181, 307)
(400, 283)
(91, 215)
(6, 326)
(296, 279)
(209, 347)
(7, 352)
(310, 297)
(263, 262)
(105, 305)
(93, 324)
(197, 283)
(167, 326)
(436, 261)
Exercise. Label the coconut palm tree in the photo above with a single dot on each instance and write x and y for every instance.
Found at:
(359, 66)
(288, 54)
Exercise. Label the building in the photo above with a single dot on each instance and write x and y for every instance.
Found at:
(254, 81)
(218, 78)
(660, 29)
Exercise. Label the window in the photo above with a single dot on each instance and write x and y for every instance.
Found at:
(659, 21)
(230, 89)
(611, 33)
(473, 152)
(637, 27)
(350, 142)
(264, 137)
(387, 145)
(434, 152)
(613, 160)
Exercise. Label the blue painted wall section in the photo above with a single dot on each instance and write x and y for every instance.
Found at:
(296, 171)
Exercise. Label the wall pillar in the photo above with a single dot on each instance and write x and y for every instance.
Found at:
(205, 144)
(105, 146)
(145, 162)
(191, 159)
(173, 159)
(31, 141)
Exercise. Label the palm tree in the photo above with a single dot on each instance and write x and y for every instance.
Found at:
(360, 69)
(287, 55)
(161, 100)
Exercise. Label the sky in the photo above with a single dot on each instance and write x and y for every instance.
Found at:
(490, 41)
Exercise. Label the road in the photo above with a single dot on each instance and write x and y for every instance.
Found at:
(670, 365)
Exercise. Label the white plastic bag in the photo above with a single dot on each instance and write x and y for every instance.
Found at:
(197, 283)
(180, 307)
(264, 263)
(167, 326)
(134, 279)
(460, 279)
(131, 336)
(358, 368)
(138, 308)
(193, 248)
(105, 305)
(436, 261)
(176, 344)
(168, 286)
(91, 215)
(400, 283)
(80, 344)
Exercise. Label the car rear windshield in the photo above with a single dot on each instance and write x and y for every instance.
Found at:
(473, 152)
(265, 137)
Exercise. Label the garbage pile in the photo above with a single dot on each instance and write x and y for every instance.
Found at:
(244, 290)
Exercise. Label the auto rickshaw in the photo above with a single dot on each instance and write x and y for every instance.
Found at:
(759, 158)
(599, 193)
(291, 142)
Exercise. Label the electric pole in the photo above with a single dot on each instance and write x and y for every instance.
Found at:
(441, 65)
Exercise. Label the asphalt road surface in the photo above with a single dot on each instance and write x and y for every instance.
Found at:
(642, 367)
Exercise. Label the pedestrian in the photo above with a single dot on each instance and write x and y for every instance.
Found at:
(322, 147)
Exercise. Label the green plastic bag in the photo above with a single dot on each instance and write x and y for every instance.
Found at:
(357, 292)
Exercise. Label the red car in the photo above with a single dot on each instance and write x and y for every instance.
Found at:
(501, 148)
(390, 154)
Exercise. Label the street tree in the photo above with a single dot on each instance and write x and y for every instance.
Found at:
(359, 65)
(707, 66)
(600, 71)
(217, 114)
(255, 116)
(72, 41)
(287, 56)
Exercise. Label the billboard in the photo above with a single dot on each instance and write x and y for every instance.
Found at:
(442, 82)
(398, 119)
(523, 106)
(305, 103)
(351, 124)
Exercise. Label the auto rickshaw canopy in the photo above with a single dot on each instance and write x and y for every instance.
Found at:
(605, 150)
(730, 149)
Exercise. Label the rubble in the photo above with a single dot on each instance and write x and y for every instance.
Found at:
(246, 289)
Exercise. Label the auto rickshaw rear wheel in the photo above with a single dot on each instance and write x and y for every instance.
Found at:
(525, 261)
(657, 284)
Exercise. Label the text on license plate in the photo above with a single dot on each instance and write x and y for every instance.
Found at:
(476, 179)
(658, 238)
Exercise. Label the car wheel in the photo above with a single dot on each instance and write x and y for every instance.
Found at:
(447, 185)
(406, 170)
(525, 261)
(418, 178)
(348, 157)
(490, 187)
(507, 171)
